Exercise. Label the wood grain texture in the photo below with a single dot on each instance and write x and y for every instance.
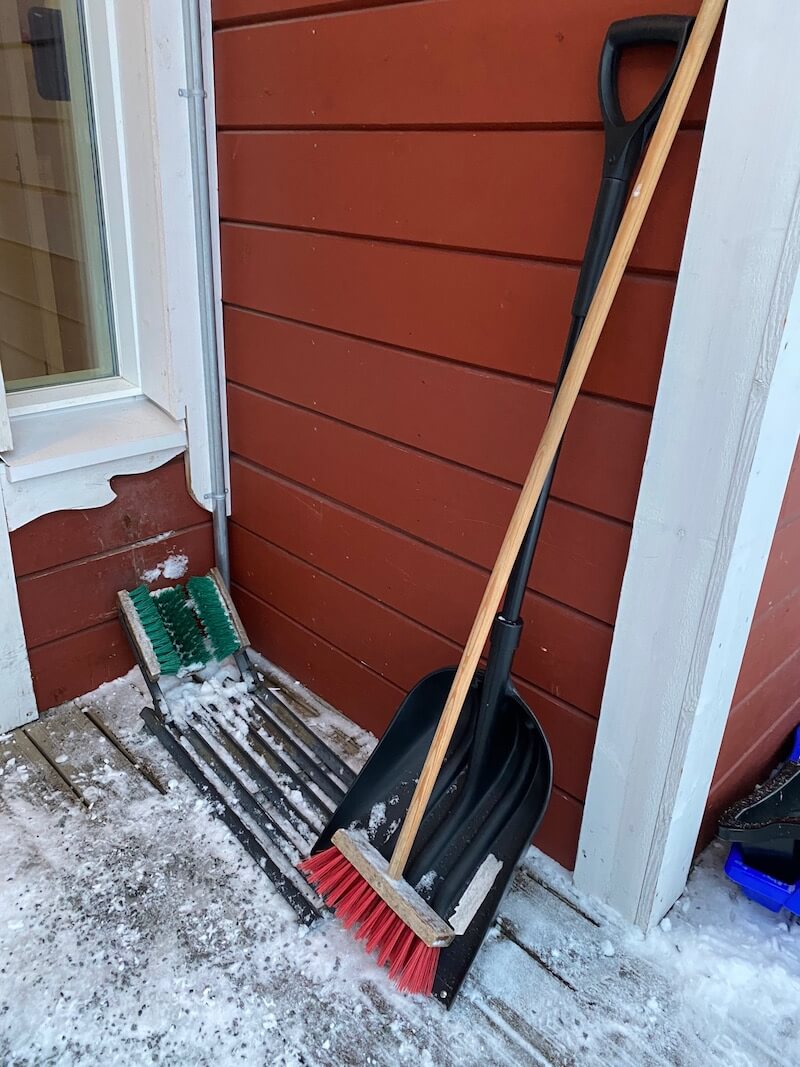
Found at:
(478, 419)
(237, 11)
(753, 718)
(70, 598)
(70, 564)
(470, 190)
(571, 665)
(472, 63)
(343, 463)
(504, 314)
(415, 912)
(561, 825)
(783, 567)
(790, 509)
(372, 697)
(147, 505)
(579, 562)
(79, 663)
(774, 638)
(83, 756)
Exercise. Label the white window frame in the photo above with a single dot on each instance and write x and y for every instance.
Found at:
(136, 55)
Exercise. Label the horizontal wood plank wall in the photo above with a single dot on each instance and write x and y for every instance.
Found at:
(70, 565)
(405, 192)
(766, 704)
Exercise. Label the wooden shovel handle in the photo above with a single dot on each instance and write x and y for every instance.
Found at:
(635, 211)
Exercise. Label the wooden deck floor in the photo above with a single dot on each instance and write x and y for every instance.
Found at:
(555, 984)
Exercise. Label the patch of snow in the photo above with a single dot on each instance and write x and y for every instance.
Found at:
(740, 961)
(152, 938)
(425, 884)
(377, 817)
(172, 568)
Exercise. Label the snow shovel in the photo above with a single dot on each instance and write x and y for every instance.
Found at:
(494, 784)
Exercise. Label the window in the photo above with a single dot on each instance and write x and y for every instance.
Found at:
(99, 260)
(55, 296)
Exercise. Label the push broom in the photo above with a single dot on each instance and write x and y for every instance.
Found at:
(367, 891)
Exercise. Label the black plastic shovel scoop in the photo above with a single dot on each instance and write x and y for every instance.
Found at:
(495, 782)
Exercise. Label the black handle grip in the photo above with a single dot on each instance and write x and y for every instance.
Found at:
(625, 137)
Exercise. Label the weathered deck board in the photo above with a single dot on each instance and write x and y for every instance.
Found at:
(43, 777)
(83, 756)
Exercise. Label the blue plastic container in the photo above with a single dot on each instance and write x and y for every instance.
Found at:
(762, 888)
(770, 892)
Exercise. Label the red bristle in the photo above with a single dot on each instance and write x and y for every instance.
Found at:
(348, 882)
(316, 865)
(374, 932)
(394, 931)
(356, 906)
(402, 952)
(332, 873)
(420, 970)
(412, 964)
(359, 892)
(368, 924)
(361, 905)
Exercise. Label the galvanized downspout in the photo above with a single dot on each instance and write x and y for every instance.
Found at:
(195, 94)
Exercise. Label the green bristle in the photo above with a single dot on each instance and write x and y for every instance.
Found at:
(213, 614)
(153, 626)
(182, 627)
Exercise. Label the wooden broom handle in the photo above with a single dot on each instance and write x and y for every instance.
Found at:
(635, 211)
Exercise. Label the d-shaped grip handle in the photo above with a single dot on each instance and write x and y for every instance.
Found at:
(625, 139)
(635, 33)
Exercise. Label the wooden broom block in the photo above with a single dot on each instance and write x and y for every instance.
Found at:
(635, 211)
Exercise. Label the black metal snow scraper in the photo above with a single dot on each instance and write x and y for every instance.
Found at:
(422, 848)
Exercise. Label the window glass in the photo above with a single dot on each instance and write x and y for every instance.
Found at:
(55, 306)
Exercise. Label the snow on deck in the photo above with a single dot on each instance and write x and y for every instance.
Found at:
(135, 930)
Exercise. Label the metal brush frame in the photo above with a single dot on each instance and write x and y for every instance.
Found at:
(225, 768)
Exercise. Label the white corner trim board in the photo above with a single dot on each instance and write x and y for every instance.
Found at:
(17, 702)
(724, 432)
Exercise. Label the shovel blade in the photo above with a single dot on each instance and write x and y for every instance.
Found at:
(485, 804)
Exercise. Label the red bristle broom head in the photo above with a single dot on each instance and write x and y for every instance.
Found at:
(412, 964)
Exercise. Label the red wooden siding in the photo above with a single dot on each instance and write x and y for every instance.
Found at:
(766, 704)
(70, 564)
(405, 191)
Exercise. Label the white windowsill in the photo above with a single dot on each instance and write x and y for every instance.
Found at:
(73, 438)
(73, 394)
